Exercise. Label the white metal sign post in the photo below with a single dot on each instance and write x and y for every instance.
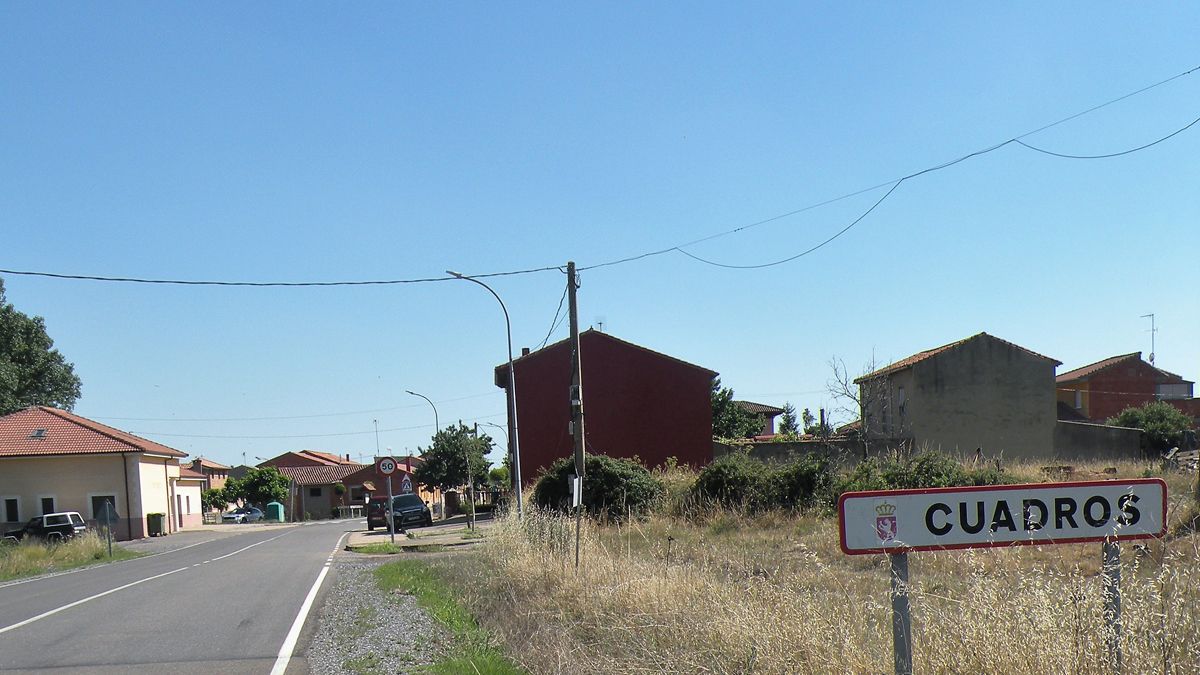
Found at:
(937, 519)
(387, 467)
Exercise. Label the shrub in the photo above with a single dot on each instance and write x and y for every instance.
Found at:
(926, 470)
(612, 487)
(734, 480)
(804, 482)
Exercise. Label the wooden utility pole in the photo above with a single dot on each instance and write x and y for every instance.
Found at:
(576, 402)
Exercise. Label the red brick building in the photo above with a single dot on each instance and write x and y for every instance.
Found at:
(1103, 389)
(637, 402)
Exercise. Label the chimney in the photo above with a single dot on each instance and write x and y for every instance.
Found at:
(347, 457)
(524, 351)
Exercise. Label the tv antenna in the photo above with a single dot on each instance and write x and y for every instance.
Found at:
(1152, 331)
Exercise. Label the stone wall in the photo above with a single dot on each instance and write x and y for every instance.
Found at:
(1083, 441)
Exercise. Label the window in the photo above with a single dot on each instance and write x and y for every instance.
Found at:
(12, 510)
(1078, 399)
(47, 505)
(98, 502)
(357, 494)
(189, 503)
(314, 492)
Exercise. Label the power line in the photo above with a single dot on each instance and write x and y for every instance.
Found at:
(555, 321)
(269, 284)
(285, 417)
(894, 183)
(931, 169)
(1111, 154)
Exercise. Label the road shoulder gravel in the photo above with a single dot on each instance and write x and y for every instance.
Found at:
(361, 629)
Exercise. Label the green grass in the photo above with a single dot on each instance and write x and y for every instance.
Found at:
(378, 549)
(475, 653)
(30, 558)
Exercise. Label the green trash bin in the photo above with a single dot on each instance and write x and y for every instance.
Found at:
(156, 524)
(274, 513)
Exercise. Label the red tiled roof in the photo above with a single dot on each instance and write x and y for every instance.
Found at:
(760, 408)
(318, 475)
(68, 434)
(921, 356)
(1092, 369)
(190, 474)
(325, 457)
(209, 463)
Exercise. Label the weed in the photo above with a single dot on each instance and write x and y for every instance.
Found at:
(475, 652)
(29, 558)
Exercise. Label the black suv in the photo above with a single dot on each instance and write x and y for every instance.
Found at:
(410, 510)
(51, 527)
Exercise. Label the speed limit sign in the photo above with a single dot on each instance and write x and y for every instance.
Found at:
(386, 466)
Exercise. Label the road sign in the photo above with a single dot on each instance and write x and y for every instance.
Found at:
(406, 485)
(893, 521)
(386, 465)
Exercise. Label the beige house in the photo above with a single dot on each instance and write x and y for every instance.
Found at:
(53, 460)
(981, 392)
(188, 511)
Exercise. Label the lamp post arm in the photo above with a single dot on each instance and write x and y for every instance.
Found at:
(511, 391)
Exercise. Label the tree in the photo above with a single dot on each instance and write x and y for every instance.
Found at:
(787, 422)
(1162, 423)
(813, 426)
(729, 419)
(213, 499)
(233, 492)
(445, 464)
(865, 399)
(499, 477)
(262, 485)
(32, 372)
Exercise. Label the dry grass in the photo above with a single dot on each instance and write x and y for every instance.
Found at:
(773, 594)
(31, 557)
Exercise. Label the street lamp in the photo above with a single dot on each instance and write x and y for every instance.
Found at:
(436, 425)
(511, 392)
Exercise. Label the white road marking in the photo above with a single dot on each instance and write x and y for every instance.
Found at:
(65, 607)
(289, 643)
(52, 612)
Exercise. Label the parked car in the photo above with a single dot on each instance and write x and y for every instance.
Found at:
(377, 512)
(246, 514)
(410, 510)
(51, 527)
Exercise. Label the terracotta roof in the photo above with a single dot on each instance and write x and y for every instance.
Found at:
(189, 474)
(318, 475)
(209, 463)
(1092, 369)
(326, 457)
(502, 369)
(929, 353)
(760, 408)
(65, 433)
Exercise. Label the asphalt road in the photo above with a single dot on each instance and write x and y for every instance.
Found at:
(231, 604)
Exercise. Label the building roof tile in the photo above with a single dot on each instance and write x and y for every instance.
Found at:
(1093, 368)
(318, 475)
(65, 433)
(759, 408)
(208, 463)
(929, 353)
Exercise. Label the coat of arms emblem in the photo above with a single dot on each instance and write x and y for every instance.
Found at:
(885, 521)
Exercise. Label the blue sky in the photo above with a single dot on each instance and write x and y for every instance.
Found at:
(320, 142)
